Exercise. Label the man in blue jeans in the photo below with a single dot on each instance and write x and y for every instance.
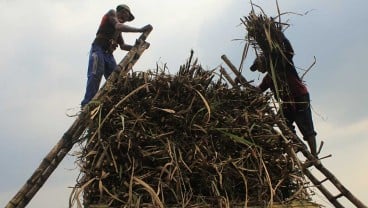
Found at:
(108, 38)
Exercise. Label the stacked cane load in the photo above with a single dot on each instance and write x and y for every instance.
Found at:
(185, 140)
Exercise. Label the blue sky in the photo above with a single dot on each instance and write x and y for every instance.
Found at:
(44, 52)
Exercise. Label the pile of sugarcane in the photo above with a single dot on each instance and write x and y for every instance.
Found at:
(184, 140)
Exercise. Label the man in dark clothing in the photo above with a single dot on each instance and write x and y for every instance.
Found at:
(108, 38)
(288, 88)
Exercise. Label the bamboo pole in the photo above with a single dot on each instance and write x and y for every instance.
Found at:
(64, 145)
(227, 76)
(239, 76)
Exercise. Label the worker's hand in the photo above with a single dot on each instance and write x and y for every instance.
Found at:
(142, 43)
(147, 28)
(253, 67)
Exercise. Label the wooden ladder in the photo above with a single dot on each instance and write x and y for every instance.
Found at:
(329, 177)
(315, 162)
(74, 133)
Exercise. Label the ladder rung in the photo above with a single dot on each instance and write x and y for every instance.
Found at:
(307, 164)
(338, 196)
(320, 182)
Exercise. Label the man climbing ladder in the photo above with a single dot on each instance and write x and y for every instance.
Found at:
(73, 134)
(108, 38)
(288, 88)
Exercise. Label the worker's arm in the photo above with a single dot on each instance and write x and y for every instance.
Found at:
(122, 44)
(126, 28)
(266, 83)
(126, 47)
(121, 27)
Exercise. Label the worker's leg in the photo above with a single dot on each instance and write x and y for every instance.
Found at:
(288, 112)
(94, 74)
(110, 65)
(304, 122)
(290, 115)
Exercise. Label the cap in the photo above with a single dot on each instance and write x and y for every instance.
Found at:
(126, 8)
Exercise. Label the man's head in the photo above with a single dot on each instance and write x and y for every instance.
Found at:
(259, 64)
(123, 12)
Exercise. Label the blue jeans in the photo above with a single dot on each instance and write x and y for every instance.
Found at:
(100, 63)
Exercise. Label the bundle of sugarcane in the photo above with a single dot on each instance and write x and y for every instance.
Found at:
(274, 53)
(265, 34)
(185, 140)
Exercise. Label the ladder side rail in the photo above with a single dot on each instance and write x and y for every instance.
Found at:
(340, 186)
(323, 189)
(44, 176)
(40, 175)
(304, 167)
(318, 164)
(332, 178)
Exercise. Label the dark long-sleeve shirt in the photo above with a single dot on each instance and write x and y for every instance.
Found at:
(295, 86)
